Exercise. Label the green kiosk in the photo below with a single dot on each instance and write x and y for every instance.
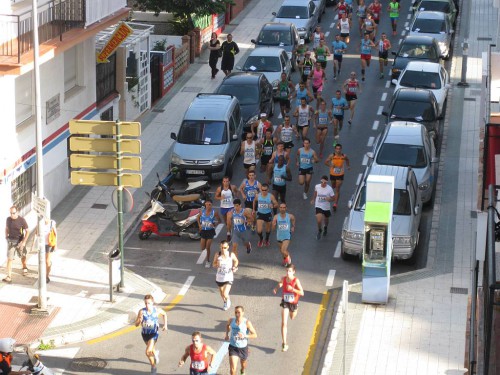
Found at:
(377, 244)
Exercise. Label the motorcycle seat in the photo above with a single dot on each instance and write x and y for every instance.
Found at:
(186, 198)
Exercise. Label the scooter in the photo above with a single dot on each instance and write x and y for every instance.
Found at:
(165, 222)
(33, 363)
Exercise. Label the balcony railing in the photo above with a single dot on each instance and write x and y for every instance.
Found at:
(96, 10)
(54, 19)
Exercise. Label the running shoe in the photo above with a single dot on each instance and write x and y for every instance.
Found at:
(249, 248)
(318, 236)
(284, 348)
(349, 122)
(260, 243)
(25, 271)
(338, 73)
(363, 79)
(334, 77)
(267, 243)
(153, 370)
(207, 264)
(335, 207)
(304, 195)
(225, 306)
(157, 356)
(287, 261)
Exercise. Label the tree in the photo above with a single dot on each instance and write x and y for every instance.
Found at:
(184, 9)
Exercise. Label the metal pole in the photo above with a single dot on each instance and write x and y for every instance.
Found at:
(345, 298)
(465, 53)
(119, 174)
(42, 282)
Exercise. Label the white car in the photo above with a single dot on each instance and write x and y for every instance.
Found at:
(426, 75)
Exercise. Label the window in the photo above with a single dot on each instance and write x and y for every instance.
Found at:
(24, 97)
(70, 69)
(21, 188)
(106, 79)
(132, 71)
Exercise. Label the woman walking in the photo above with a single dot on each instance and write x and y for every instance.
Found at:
(226, 264)
(214, 47)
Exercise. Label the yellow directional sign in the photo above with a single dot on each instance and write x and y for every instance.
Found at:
(105, 179)
(127, 129)
(120, 34)
(132, 163)
(131, 146)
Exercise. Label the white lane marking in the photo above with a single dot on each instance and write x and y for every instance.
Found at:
(399, 41)
(221, 353)
(336, 18)
(202, 257)
(330, 278)
(380, 110)
(370, 141)
(163, 250)
(375, 124)
(388, 84)
(159, 268)
(384, 97)
(218, 229)
(403, 33)
(410, 9)
(365, 160)
(332, 25)
(337, 249)
(408, 16)
(326, 34)
(359, 179)
(406, 24)
(186, 286)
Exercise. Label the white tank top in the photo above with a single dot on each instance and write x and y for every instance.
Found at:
(344, 26)
(227, 198)
(249, 153)
(303, 116)
(225, 270)
(286, 134)
(317, 37)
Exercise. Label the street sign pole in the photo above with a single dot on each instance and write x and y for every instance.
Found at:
(119, 173)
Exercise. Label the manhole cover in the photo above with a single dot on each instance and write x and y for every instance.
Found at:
(99, 206)
(88, 364)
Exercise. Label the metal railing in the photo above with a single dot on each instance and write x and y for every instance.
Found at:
(54, 19)
(96, 10)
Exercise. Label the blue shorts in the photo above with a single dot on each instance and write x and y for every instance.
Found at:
(224, 211)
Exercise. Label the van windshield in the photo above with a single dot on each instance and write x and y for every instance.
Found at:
(202, 132)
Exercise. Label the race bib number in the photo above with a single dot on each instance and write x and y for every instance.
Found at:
(375, 15)
(278, 180)
(263, 206)
(222, 271)
(289, 297)
(226, 201)
(323, 120)
(207, 224)
(321, 58)
(283, 226)
(286, 138)
(198, 365)
(249, 153)
(353, 89)
(321, 198)
(305, 160)
(337, 111)
(337, 170)
(283, 94)
(251, 194)
(307, 71)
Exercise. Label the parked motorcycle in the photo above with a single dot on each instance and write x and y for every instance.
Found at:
(165, 222)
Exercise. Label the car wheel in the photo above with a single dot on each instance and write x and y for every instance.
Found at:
(345, 256)
(144, 235)
(412, 260)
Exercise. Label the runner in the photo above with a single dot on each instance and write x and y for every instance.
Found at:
(318, 77)
(303, 114)
(370, 26)
(317, 36)
(263, 205)
(285, 90)
(339, 48)
(351, 88)
(322, 117)
(201, 356)
(239, 222)
(284, 133)
(305, 159)
(267, 148)
(375, 9)
(249, 152)
(366, 46)
(303, 92)
(339, 105)
(226, 193)
(300, 53)
(393, 9)
(292, 291)
(284, 225)
(207, 222)
(280, 150)
(361, 13)
(337, 161)
(342, 8)
(323, 195)
(148, 319)
(306, 67)
(238, 331)
(344, 25)
(249, 189)
(260, 126)
(321, 53)
(226, 264)
(281, 174)
(384, 45)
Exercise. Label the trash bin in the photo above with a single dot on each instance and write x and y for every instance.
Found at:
(115, 266)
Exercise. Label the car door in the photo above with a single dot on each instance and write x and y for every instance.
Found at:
(416, 204)
(285, 63)
(313, 16)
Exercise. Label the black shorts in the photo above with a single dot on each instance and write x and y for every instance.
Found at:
(376, 21)
(337, 178)
(196, 372)
(241, 353)
(323, 212)
(247, 166)
(220, 284)
(302, 126)
(149, 336)
(338, 58)
(304, 171)
(207, 234)
(288, 145)
(383, 55)
(321, 128)
(338, 117)
(290, 306)
(49, 249)
(323, 64)
(350, 97)
(249, 204)
(264, 159)
(279, 189)
(344, 35)
(315, 89)
(265, 217)
(285, 103)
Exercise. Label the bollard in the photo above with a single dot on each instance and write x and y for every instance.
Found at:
(114, 262)
(465, 53)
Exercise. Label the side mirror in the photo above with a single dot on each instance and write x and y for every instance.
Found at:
(253, 41)
(435, 160)
(452, 31)
(394, 81)
(370, 155)
(417, 210)
(238, 67)
(349, 204)
(234, 137)
(384, 113)
(173, 136)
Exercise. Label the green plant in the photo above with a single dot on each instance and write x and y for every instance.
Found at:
(160, 45)
(132, 82)
(43, 346)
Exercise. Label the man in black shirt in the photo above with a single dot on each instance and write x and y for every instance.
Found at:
(16, 234)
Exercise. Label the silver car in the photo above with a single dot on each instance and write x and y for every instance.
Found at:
(408, 144)
(405, 220)
(436, 25)
(302, 13)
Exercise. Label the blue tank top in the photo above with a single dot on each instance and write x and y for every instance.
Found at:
(305, 159)
(300, 95)
(149, 321)
(279, 174)
(239, 221)
(251, 190)
(366, 48)
(338, 103)
(207, 221)
(283, 227)
(323, 118)
(264, 204)
(234, 339)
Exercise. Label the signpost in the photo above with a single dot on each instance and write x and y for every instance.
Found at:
(41, 206)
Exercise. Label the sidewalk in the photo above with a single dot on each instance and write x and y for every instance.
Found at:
(79, 289)
(422, 330)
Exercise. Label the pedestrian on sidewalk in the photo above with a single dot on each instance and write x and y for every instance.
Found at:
(284, 225)
(148, 319)
(16, 234)
(214, 47)
(229, 50)
(238, 331)
(6, 350)
(292, 291)
(226, 264)
(323, 195)
(239, 222)
(49, 235)
(207, 221)
(201, 356)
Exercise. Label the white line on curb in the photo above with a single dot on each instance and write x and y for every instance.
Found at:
(332, 25)
(380, 109)
(186, 286)
(388, 84)
(406, 24)
(375, 124)
(408, 16)
(218, 229)
(384, 97)
(326, 34)
(403, 33)
(365, 160)
(359, 179)
(337, 249)
(399, 41)
(330, 278)
(370, 141)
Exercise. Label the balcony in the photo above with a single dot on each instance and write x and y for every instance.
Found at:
(96, 10)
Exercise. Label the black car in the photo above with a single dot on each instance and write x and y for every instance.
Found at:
(418, 105)
(424, 48)
(253, 91)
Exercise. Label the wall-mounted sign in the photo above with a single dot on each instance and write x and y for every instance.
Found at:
(120, 34)
(53, 108)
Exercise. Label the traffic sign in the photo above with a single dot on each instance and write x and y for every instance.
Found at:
(127, 129)
(131, 146)
(41, 206)
(105, 179)
(132, 163)
(127, 199)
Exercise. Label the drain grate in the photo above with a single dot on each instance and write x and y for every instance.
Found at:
(455, 290)
(160, 110)
(191, 89)
(88, 364)
(473, 214)
(99, 206)
(469, 99)
(484, 38)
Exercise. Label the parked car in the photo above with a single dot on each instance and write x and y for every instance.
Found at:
(408, 144)
(253, 91)
(283, 35)
(331, 2)
(446, 6)
(302, 13)
(321, 5)
(271, 61)
(436, 25)
(426, 75)
(418, 105)
(421, 48)
(406, 215)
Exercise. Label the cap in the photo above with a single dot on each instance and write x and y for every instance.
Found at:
(263, 114)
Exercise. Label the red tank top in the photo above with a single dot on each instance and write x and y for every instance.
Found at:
(376, 11)
(199, 361)
(352, 87)
(290, 297)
